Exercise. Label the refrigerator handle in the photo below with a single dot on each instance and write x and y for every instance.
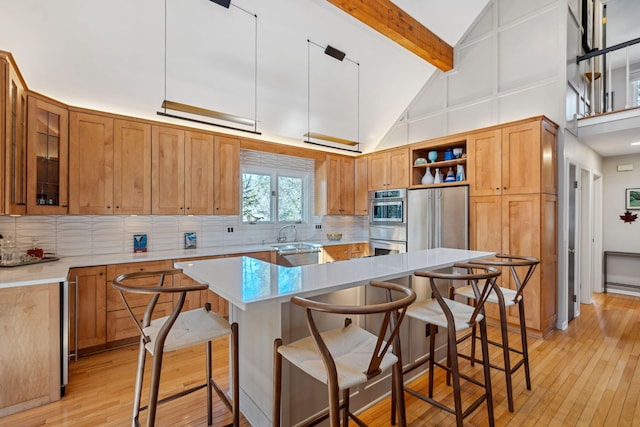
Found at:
(437, 225)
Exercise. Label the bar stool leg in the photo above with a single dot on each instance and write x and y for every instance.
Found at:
(345, 411)
(142, 354)
(236, 374)
(506, 354)
(432, 348)
(452, 364)
(209, 386)
(277, 382)
(155, 384)
(487, 369)
(525, 346)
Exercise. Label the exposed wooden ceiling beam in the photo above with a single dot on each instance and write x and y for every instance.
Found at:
(388, 19)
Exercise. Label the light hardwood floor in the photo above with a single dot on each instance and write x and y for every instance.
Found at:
(586, 375)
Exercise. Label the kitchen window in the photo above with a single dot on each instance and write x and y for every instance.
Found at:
(270, 196)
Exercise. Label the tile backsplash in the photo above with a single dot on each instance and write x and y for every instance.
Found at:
(75, 235)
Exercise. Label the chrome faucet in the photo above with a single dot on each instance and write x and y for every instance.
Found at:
(282, 237)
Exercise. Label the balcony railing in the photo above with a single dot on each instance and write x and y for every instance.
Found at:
(611, 78)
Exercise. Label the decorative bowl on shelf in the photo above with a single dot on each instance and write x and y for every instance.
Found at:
(457, 152)
(420, 161)
(334, 236)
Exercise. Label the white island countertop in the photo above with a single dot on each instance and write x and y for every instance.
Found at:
(247, 282)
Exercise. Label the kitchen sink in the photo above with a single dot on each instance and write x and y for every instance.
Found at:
(297, 253)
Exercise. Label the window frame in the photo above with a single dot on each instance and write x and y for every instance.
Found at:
(274, 174)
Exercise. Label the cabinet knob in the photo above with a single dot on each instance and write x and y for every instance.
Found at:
(108, 207)
(117, 207)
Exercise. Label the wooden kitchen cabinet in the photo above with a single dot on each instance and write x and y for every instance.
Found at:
(13, 128)
(524, 223)
(516, 159)
(90, 307)
(335, 186)
(47, 157)
(391, 169)
(120, 326)
(226, 176)
(361, 186)
(336, 253)
(359, 250)
(167, 171)
(182, 170)
(30, 351)
(110, 165)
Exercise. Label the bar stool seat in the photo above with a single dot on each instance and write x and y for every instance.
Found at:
(429, 311)
(178, 330)
(190, 328)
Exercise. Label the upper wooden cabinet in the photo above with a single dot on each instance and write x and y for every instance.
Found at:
(391, 169)
(227, 176)
(516, 159)
(47, 157)
(194, 173)
(335, 186)
(362, 186)
(109, 165)
(13, 128)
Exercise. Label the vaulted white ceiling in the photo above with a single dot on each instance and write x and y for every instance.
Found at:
(111, 56)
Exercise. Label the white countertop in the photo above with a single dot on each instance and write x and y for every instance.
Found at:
(246, 282)
(57, 271)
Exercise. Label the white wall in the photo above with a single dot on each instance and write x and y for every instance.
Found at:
(618, 235)
(508, 66)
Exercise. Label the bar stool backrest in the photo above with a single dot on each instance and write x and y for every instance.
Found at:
(513, 262)
(393, 310)
(128, 283)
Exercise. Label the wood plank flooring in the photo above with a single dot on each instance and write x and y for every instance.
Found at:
(587, 375)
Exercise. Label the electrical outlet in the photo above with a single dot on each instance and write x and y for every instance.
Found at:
(229, 229)
(318, 226)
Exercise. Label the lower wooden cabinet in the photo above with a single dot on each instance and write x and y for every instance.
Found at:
(89, 309)
(30, 350)
(119, 324)
(344, 252)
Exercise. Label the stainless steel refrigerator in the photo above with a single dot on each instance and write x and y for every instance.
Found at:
(438, 217)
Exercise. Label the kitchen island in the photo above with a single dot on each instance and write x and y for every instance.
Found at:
(259, 293)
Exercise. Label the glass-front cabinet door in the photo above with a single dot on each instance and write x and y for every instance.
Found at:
(16, 145)
(47, 148)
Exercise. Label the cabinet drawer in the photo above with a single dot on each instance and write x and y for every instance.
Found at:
(114, 301)
(359, 250)
(120, 325)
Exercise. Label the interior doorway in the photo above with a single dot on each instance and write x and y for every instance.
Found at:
(571, 246)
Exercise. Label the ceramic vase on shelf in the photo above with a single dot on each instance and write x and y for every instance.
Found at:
(460, 173)
(437, 179)
(450, 176)
(432, 156)
(427, 178)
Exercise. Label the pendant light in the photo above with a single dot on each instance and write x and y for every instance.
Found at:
(331, 141)
(198, 114)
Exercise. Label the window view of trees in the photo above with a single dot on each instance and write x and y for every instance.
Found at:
(265, 194)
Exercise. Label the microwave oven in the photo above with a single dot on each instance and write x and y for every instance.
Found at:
(388, 206)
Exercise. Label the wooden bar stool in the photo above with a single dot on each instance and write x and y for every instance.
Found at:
(347, 356)
(507, 297)
(456, 317)
(175, 331)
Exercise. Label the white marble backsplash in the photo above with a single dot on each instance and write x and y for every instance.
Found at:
(74, 235)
